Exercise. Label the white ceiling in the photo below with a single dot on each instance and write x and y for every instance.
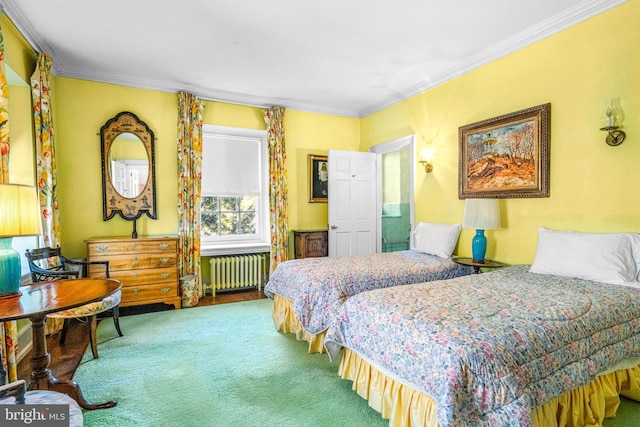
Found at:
(342, 57)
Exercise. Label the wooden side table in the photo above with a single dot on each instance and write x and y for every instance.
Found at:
(313, 243)
(487, 263)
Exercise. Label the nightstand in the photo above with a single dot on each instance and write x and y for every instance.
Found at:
(308, 244)
(487, 263)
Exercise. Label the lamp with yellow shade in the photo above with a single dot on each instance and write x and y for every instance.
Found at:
(19, 216)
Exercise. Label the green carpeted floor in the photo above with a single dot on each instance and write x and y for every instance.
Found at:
(224, 365)
(628, 415)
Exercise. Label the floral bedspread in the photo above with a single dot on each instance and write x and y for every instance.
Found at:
(489, 348)
(317, 287)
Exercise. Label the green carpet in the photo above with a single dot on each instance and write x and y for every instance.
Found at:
(224, 365)
(628, 415)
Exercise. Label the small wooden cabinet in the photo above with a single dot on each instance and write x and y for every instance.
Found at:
(309, 244)
(147, 267)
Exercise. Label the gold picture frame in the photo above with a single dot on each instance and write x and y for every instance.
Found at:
(506, 156)
(318, 178)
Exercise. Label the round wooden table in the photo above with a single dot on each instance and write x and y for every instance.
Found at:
(477, 265)
(35, 302)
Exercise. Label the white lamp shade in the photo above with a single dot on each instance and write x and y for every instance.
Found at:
(19, 211)
(481, 214)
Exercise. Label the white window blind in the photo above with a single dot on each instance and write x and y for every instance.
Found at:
(233, 166)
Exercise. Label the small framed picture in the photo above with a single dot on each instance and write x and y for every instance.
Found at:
(318, 179)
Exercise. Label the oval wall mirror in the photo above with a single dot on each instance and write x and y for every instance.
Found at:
(128, 165)
(128, 168)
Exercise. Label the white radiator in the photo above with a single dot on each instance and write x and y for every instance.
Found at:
(237, 272)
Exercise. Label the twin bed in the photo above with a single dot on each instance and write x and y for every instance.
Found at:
(550, 344)
(491, 349)
(307, 293)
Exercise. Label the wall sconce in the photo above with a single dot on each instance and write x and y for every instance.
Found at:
(611, 120)
(425, 159)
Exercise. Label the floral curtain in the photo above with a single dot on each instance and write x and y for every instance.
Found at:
(8, 330)
(45, 150)
(274, 118)
(46, 161)
(190, 112)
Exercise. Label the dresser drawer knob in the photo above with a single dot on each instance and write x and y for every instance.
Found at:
(164, 275)
(165, 290)
(164, 260)
(135, 275)
(135, 290)
(103, 248)
(135, 259)
(134, 245)
(164, 246)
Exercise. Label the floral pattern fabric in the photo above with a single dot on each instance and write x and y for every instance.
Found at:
(317, 287)
(274, 118)
(45, 151)
(89, 309)
(190, 112)
(47, 181)
(490, 348)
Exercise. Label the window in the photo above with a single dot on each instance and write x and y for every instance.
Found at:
(234, 207)
(227, 216)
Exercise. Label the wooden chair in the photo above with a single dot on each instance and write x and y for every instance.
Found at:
(47, 264)
(16, 393)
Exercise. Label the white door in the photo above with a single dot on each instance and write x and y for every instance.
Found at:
(119, 177)
(352, 203)
(133, 187)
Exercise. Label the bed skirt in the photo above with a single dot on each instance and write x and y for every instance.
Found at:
(404, 406)
(286, 321)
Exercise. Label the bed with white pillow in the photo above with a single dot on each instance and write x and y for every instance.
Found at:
(553, 343)
(308, 292)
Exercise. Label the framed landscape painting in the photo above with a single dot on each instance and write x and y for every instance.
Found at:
(506, 156)
(318, 179)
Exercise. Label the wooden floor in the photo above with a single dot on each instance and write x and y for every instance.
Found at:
(66, 358)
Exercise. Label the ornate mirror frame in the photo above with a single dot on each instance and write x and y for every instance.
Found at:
(113, 202)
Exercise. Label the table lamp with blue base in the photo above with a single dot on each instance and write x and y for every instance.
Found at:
(19, 216)
(479, 246)
(481, 214)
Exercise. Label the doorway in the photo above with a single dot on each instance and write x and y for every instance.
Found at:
(395, 194)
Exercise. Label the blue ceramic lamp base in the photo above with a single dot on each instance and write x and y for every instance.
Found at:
(9, 269)
(479, 246)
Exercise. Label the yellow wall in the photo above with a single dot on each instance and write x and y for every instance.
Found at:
(82, 108)
(19, 61)
(309, 133)
(17, 52)
(578, 71)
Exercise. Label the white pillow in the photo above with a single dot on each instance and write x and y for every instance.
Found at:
(437, 239)
(635, 244)
(606, 258)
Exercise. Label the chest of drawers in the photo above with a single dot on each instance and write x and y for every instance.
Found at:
(147, 267)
